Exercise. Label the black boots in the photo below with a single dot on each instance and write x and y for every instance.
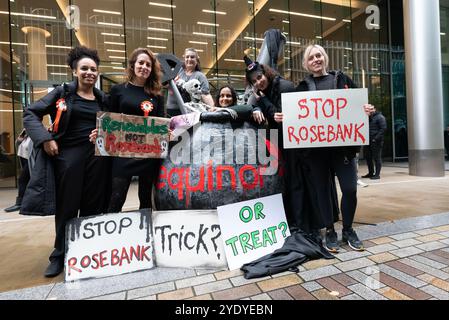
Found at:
(55, 267)
(15, 207)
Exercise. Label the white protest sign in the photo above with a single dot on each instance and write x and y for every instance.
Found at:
(188, 239)
(325, 118)
(252, 229)
(107, 245)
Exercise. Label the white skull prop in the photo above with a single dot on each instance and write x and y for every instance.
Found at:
(193, 87)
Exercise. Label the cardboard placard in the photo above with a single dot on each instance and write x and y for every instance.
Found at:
(325, 118)
(107, 245)
(188, 239)
(252, 229)
(126, 136)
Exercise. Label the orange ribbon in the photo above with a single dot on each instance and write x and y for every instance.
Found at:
(62, 107)
(146, 107)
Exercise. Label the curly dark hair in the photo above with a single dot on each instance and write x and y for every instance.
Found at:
(233, 93)
(78, 53)
(269, 72)
(153, 84)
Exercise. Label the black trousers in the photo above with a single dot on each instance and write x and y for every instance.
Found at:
(120, 187)
(373, 156)
(23, 180)
(323, 164)
(81, 186)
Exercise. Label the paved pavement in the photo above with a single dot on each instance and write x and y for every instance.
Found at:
(406, 259)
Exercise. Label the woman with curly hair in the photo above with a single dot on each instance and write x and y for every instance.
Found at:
(80, 178)
(140, 95)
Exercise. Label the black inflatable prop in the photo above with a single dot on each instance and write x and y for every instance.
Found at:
(218, 161)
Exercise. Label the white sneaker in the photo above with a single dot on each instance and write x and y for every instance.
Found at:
(362, 184)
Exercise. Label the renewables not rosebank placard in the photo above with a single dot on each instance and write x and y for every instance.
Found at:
(252, 229)
(325, 118)
(126, 136)
(108, 245)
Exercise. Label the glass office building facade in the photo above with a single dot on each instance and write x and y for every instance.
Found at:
(365, 39)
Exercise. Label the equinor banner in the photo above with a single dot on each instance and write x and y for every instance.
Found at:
(122, 135)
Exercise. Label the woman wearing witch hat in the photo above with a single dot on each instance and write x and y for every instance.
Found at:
(268, 87)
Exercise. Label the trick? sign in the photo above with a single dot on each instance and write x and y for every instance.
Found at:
(325, 118)
(252, 229)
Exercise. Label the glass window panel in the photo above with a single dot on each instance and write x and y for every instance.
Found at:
(304, 31)
(195, 27)
(102, 26)
(444, 24)
(234, 37)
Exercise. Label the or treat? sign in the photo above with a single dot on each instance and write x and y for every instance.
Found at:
(252, 229)
(127, 136)
(325, 118)
(107, 245)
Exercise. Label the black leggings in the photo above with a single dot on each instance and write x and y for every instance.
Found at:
(120, 187)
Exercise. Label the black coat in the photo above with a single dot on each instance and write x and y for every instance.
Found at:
(297, 249)
(377, 127)
(40, 195)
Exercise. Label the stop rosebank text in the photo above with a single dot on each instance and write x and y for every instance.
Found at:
(322, 110)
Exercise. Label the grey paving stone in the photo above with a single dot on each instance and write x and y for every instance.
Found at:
(430, 246)
(429, 262)
(381, 248)
(366, 292)
(436, 292)
(286, 273)
(354, 264)
(151, 290)
(406, 252)
(240, 280)
(426, 232)
(352, 297)
(432, 271)
(200, 272)
(445, 241)
(262, 296)
(402, 226)
(36, 293)
(412, 281)
(85, 289)
(212, 287)
(403, 236)
(311, 286)
(319, 273)
(371, 281)
(148, 298)
(445, 233)
(114, 296)
(351, 255)
(190, 282)
(406, 243)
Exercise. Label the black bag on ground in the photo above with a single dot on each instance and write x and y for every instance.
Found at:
(297, 249)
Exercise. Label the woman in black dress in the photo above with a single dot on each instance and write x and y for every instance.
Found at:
(140, 96)
(81, 178)
(324, 163)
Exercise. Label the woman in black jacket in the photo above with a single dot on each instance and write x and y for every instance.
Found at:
(325, 162)
(140, 95)
(80, 177)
